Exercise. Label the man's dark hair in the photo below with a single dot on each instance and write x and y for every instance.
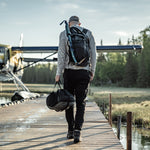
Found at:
(74, 18)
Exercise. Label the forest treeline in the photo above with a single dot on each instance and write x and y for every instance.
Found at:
(40, 73)
(130, 69)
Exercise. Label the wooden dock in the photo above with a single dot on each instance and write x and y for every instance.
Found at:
(31, 125)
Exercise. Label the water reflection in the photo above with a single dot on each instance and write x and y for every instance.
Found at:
(139, 141)
(4, 100)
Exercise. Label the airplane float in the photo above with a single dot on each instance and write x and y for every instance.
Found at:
(11, 62)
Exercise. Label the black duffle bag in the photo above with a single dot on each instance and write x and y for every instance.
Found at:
(59, 100)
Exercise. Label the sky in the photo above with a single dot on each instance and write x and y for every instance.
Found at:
(39, 20)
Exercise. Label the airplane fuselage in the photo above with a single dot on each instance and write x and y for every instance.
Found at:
(9, 61)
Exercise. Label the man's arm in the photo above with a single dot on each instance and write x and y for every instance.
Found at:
(93, 55)
(61, 56)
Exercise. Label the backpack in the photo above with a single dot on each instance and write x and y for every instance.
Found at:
(80, 45)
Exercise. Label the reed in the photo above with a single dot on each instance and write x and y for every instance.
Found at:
(138, 103)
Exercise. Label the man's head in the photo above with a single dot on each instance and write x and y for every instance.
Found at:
(74, 20)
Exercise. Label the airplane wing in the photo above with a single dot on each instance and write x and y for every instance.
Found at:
(119, 48)
(52, 49)
(36, 49)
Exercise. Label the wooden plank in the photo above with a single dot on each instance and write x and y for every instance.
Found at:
(31, 125)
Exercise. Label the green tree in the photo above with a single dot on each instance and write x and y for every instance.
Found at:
(144, 61)
(130, 73)
(109, 69)
(40, 73)
(143, 78)
(119, 43)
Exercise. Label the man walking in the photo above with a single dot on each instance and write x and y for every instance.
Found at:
(76, 76)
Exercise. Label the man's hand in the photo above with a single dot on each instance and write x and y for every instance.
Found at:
(92, 76)
(57, 78)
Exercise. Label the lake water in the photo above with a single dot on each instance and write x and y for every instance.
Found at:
(139, 141)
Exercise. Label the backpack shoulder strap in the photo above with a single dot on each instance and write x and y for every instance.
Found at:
(75, 30)
(85, 30)
(78, 30)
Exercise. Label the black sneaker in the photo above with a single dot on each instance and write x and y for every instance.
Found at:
(70, 135)
(77, 136)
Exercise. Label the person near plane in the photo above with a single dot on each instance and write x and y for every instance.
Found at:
(76, 78)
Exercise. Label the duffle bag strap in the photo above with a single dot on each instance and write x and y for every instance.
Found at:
(67, 103)
(58, 83)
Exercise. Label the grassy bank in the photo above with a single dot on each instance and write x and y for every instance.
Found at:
(141, 112)
(124, 100)
(10, 88)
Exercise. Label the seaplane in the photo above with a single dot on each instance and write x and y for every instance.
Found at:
(11, 62)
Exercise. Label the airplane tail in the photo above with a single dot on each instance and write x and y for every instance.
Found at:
(21, 40)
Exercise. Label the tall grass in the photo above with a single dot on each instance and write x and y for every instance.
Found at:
(124, 100)
(141, 112)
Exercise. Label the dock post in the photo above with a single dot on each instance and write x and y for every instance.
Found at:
(110, 108)
(118, 126)
(129, 130)
(89, 92)
(1, 86)
(103, 107)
